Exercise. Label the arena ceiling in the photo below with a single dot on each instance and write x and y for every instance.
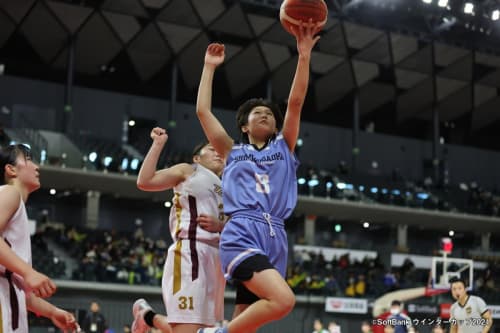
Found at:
(401, 57)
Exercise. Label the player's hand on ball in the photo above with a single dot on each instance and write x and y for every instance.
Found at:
(305, 35)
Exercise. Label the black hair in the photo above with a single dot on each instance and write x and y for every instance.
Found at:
(455, 279)
(247, 107)
(396, 302)
(8, 155)
(197, 149)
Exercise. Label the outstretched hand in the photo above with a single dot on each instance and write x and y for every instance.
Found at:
(214, 54)
(306, 36)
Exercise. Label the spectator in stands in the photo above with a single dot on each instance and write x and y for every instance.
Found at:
(390, 281)
(316, 285)
(350, 290)
(401, 320)
(333, 327)
(331, 285)
(366, 327)
(360, 287)
(318, 327)
(19, 177)
(94, 321)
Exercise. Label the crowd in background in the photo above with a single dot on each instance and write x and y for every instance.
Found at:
(131, 258)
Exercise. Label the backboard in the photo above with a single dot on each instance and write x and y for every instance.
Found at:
(445, 268)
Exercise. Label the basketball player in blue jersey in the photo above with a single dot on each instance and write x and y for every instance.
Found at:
(21, 287)
(192, 284)
(259, 191)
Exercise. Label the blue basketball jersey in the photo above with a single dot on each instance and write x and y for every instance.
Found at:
(261, 180)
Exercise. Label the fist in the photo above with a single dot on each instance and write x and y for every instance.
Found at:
(215, 54)
(159, 135)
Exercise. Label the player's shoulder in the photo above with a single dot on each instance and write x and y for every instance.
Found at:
(9, 195)
(476, 299)
(186, 168)
(10, 199)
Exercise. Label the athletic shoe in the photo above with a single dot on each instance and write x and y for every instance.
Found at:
(138, 310)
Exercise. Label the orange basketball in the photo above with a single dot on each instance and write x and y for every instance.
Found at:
(294, 11)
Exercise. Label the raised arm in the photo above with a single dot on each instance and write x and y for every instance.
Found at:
(151, 180)
(305, 42)
(213, 129)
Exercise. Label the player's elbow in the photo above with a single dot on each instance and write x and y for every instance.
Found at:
(142, 184)
(202, 111)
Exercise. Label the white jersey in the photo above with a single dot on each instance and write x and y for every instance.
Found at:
(16, 234)
(201, 193)
(193, 284)
(468, 318)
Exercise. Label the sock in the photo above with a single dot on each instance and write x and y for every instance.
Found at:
(148, 318)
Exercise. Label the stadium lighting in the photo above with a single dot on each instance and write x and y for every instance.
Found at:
(134, 164)
(301, 181)
(495, 15)
(338, 228)
(366, 225)
(313, 182)
(341, 186)
(427, 1)
(43, 156)
(124, 165)
(131, 122)
(443, 3)
(422, 196)
(469, 8)
(107, 161)
(93, 156)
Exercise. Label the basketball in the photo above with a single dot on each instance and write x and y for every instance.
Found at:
(294, 11)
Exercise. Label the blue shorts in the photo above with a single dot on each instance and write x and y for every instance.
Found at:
(247, 234)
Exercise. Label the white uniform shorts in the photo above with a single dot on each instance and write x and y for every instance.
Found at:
(193, 283)
(6, 309)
